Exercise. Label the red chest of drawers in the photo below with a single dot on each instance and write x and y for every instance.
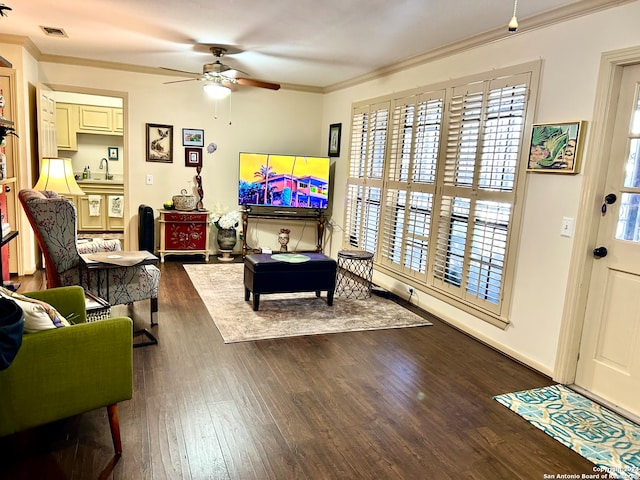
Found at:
(184, 233)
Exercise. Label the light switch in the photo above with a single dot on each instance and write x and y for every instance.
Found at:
(567, 227)
(149, 179)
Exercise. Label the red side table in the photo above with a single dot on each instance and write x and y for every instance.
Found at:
(184, 233)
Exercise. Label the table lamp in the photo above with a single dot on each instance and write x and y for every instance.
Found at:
(56, 174)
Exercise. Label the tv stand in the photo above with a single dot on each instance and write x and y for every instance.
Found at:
(316, 215)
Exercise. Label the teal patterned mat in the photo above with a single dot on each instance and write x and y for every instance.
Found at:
(601, 436)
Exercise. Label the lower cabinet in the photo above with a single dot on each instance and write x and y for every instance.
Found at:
(101, 209)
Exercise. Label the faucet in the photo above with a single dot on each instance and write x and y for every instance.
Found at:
(107, 176)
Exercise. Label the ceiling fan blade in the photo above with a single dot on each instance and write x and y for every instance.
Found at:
(179, 81)
(181, 71)
(257, 83)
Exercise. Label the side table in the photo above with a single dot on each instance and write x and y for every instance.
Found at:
(98, 267)
(184, 233)
(354, 275)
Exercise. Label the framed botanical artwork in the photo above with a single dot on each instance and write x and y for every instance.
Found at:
(192, 137)
(555, 147)
(159, 142)
(192, 157)
(112, 153)
(335, 132)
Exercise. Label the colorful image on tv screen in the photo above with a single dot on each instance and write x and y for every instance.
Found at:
(283, 180)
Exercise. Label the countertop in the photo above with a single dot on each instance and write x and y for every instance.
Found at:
(98, 179)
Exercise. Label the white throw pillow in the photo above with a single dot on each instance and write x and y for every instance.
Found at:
(38, 315)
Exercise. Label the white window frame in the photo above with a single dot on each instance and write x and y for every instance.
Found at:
(415, 173)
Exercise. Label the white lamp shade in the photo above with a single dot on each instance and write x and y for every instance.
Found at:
(216, 90)
(56, 174)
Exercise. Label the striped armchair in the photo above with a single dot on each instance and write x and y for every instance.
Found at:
(54, 222)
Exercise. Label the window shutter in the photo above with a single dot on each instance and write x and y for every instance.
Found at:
(435, 172)
(366, 170)
(486, 123)
(414, 145)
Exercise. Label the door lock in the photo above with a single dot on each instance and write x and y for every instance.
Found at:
(600, 252)
(609, 199)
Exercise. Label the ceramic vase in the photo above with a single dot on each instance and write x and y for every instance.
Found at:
(226, 239)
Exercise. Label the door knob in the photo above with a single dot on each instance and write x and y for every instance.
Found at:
(609, 199)
(600, 252)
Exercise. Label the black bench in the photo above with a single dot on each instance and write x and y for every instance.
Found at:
(264, 274)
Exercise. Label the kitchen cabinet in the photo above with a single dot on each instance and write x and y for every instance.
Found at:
(98, 208)
(66, 121)
(72, 119)
(94, 119)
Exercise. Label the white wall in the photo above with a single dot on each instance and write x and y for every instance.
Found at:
(571, 54)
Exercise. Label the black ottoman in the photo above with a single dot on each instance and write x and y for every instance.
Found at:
(264, 274)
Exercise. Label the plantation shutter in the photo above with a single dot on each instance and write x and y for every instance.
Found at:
(415, 136)
(366, 170)
(486, 123)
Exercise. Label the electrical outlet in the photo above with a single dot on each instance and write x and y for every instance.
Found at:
(149, 179)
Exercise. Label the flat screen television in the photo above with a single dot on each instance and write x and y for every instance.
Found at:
(283, 181)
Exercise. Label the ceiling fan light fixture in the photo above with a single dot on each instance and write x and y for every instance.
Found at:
(216, 90)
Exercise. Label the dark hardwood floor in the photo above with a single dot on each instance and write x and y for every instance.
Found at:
(413, 403)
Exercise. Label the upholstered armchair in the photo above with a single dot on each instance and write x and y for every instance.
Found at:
(54, 221)
(66, 371)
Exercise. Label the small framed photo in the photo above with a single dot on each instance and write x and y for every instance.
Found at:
(192, 157)
(192, 137)
(335, 132)
(555, 147)
(159, 142)
(112, 153)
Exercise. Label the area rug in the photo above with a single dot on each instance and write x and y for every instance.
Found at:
(288, 315)
(599, 435)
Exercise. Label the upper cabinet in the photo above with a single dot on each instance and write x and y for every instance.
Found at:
(66, 121)
(72, 119)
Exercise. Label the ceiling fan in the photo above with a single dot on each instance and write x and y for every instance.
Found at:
(219, 78)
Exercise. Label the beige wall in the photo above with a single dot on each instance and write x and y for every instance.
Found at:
(289, 121)
(251, 119)
(571, 54)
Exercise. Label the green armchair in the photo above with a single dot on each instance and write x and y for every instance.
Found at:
(67, 371)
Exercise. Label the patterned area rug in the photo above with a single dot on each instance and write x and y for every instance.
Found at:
(601, 436)
(288, 315)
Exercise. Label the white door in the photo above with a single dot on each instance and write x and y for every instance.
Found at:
(609, 363)
(46, 105)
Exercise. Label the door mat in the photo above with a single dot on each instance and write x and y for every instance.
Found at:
(601, 436)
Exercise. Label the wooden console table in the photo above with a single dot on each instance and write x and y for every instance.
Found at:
(315, 215)
(184, 233)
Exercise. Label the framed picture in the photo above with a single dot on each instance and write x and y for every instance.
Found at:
(159, 144)
(335, 132)
(192, 137)
(112, 153)
(192, 157)
(555, 147)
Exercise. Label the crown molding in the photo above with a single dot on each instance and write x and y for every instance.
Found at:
(542, 20)
(23, 41)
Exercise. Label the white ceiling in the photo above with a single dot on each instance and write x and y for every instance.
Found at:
(315, 43)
